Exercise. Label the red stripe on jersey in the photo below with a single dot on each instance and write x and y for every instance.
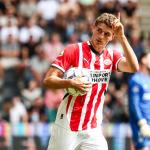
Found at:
(94, 119)
(86, 55)
(89, 107)
(76, 113)
(68, 103)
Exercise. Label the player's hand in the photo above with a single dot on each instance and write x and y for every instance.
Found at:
(81, 84)
(144, 128)
(118, 28)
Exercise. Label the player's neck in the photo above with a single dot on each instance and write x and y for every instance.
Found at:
(98, 50)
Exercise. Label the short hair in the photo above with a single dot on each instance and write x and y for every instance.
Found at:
(143, 54)
(105, 18)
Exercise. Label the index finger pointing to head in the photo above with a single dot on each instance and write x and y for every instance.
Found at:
(118, 15)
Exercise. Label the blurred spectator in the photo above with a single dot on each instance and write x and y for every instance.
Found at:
(137, 44)
(32, 92)
(74, 38)
(52, 46)
(9, 29)
(39, 64)
(68, 6)
(109, 6)
(31, 31)
(47, 9)
(10, 52)
(18, 111)
(130, 17)
(52, 101)
(29, 5)
(37, 113)
(115, 45)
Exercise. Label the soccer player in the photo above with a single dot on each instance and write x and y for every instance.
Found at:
(139, 104)
(78, 121)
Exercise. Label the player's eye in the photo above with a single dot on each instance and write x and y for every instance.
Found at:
(99, 30)
(107, 34)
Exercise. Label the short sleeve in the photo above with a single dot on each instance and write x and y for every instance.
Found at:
(65, 60)
(117, 56)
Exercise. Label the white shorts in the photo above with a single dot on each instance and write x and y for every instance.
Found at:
(64, 139)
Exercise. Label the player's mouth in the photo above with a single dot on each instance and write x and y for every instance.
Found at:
(99, 41)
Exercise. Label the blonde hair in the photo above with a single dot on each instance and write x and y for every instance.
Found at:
(105, 18)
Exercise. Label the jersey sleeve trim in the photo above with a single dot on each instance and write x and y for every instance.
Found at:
(60, 68)
(116, 66)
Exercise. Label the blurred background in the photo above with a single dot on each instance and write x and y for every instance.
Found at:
(32, 34)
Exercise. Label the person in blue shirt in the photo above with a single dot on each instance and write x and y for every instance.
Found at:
(139, 104)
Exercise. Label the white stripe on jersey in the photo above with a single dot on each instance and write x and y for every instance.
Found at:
(80, 65)
(111, 53)
(96, 96)
(58, 67)
(101, 62)
(118, 62)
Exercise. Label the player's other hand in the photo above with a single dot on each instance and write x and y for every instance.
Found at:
(144, 128)
(118, 28)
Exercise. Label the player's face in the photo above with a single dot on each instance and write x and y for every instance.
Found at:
(101, 35)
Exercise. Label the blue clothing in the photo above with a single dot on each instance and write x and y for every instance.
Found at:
(139, 106)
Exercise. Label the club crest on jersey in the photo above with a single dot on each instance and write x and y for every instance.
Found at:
(107, 62)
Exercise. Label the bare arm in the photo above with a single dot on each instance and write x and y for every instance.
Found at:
(130, 62)
(54, 80)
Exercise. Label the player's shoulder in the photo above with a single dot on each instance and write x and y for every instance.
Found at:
(72, 46)
(69, 49)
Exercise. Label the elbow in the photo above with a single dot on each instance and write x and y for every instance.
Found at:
(45, 83)
(135, 68)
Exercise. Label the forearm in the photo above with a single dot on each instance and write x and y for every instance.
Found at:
(54, 82)
(129, 54)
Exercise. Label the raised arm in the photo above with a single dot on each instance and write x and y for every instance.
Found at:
(129, 63)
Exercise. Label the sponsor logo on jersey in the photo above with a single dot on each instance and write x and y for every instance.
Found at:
(100, 76)
(85, 60)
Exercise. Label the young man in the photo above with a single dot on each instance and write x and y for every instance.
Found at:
(78, 121)
(139, 104)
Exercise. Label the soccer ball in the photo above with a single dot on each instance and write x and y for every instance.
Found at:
(76, 72)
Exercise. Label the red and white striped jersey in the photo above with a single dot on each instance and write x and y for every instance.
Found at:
(84, 112)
